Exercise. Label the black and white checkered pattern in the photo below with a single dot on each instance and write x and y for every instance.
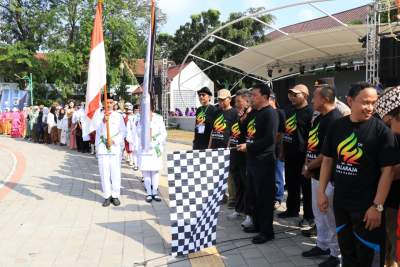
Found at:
(197, 181)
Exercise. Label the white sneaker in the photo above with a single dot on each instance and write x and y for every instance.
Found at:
(233, 216)
(248, 222)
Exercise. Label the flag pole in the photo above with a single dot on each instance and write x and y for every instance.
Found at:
(106, 111)
(107, 118)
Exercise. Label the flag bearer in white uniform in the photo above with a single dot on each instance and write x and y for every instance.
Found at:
(150, 166)
(109, 158)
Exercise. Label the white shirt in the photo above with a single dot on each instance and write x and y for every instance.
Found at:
(117, 134)
(157, 143)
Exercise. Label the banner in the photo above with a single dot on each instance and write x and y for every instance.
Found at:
(14, 98)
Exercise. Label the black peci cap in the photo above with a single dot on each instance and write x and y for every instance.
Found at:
(109, 96)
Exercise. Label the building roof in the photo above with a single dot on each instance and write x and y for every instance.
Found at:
(356, 15)
(138, 66)
(309, 45)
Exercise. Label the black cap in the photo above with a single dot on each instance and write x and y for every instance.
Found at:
(328, 81)
(204, 90)
(109, 96)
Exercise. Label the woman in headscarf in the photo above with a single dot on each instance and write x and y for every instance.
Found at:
(71, 125)
(52, 125)
(15, 124)
(32, 120)
(7, 122)
(46, 135)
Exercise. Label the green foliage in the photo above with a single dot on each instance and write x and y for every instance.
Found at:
(62, 28)
(247, 32)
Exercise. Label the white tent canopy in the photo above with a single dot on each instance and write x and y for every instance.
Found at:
(192, 79)
(300, 49)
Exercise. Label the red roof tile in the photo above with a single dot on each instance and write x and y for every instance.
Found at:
(349, 16)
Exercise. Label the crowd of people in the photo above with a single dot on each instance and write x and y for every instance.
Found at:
(65, 126)
(340, 161)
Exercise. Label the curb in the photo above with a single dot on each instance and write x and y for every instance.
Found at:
(19, 164)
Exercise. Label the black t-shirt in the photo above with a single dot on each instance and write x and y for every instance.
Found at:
(238, 131)
(317, 135)
(297, 126)
(281, 117)
(261, 130)
(202, 131)
(393, 198)
(359, 151)
(221, 130)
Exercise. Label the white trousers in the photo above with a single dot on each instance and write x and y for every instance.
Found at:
(325, 222)
(110, 172)
(151, 181)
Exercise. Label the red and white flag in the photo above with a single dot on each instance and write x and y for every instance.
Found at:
(96, 75)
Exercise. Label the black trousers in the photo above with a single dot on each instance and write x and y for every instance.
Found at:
(359, 247)
(79, 142)
(296, 183)
(238, 172)
(261, 176)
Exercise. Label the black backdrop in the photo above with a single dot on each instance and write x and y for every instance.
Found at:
(389, 67)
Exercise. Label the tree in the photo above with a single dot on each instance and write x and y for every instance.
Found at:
(63, 29)
(247, 33)
(27, 22)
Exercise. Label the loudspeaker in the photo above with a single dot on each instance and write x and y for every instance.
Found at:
(389, 64)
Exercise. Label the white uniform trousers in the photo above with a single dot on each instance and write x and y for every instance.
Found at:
(151, 181)
(110, 172)
(325, 222)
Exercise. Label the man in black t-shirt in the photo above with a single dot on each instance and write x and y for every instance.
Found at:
(323, 102)
(260, 147)
(297, 126)
(204, 119)
(388, 109)
(280, 165)
(359, 153)
(225, 116)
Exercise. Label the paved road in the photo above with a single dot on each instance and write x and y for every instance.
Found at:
(54, 217)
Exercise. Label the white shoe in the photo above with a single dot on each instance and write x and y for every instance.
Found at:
(233, 216)
(248, 222)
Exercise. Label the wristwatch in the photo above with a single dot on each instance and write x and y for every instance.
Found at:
(378, 207)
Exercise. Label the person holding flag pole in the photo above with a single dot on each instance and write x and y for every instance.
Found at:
(109, 125)
(149, 135)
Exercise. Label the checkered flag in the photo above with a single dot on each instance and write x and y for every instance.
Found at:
(197, 182)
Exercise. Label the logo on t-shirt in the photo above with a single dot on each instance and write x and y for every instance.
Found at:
(219, 124)
(291, 124)
(349, 154)
(251, 128)
(313, 140)
(201, 117)
(235, 133)
(349, 151)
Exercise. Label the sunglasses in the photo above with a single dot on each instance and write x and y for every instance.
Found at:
(202, 95)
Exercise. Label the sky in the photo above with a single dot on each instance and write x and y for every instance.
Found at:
(179, 11)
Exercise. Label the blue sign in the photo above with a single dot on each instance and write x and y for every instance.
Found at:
(13, 98)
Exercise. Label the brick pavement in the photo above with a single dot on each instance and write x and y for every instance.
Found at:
(54, 217)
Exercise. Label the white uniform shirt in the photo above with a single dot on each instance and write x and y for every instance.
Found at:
(117, 134)
(157, 143)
